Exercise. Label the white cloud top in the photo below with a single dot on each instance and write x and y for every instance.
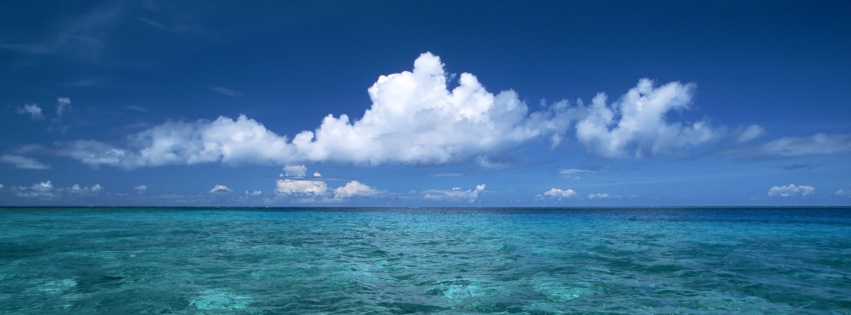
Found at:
(220, 189)
(557, 193)
(23, 162)
(415, 118)
(455, 194)
(636, 124)
(353, 188)
(301, 187)
(790, 190)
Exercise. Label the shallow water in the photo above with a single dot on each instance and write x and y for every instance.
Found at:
(375, 261)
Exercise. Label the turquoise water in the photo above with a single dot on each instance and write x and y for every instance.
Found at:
(451, 261)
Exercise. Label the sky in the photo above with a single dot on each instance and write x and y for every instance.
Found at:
(438, 103)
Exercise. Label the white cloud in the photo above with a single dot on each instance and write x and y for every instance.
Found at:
(557, 193)
(316, 174)
(141, 188)
(230, 141)
(840, 192)
(636, 124)
(220, 188)
(790, 190)
(301, 187)
(456, 194)
(63, 104)
(487, 163)
(43, 186)
(598, 196)
(41, 189)
(817, 144)
(76, 189)
(750, 133)
(295, 170)
(253, 193)
(23, 162)
(414, 118)
(32, 109)
(353, 188)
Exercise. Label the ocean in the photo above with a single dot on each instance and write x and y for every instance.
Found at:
(425, 260)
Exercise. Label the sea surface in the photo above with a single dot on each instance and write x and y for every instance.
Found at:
(438, 260)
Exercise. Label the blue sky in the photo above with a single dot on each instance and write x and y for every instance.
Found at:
(401, 103)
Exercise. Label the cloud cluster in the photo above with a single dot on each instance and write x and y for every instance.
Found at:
(790, 190)
(46, 190)
(23, 162)
(636, 124)
(456, 194)
(417, 118)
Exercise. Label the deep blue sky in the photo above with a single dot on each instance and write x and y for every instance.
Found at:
(707, 103)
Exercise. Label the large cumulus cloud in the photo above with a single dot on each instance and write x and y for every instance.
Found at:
(416, 118)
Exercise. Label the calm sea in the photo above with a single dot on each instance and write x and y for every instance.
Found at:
(450, 261)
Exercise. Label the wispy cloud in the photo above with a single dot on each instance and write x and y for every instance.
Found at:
(750, 133)
(31, 109)
(81, 36)
(23, 162)
(224, 91)
(818, 144)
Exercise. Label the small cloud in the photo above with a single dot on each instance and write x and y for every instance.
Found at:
(225, 91)
(790, 190)
(455, 194)
(32, 109)
(76, 189)
(295, 170)
(253, 193)
(487, 163)
(316, 174)
(352, 189)
(841, 193)
(598, 196)
(63, 104)
(750, 133)
(141, 188)
(301, 187)
(556, 193)
(220, 189)
(23, 162)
